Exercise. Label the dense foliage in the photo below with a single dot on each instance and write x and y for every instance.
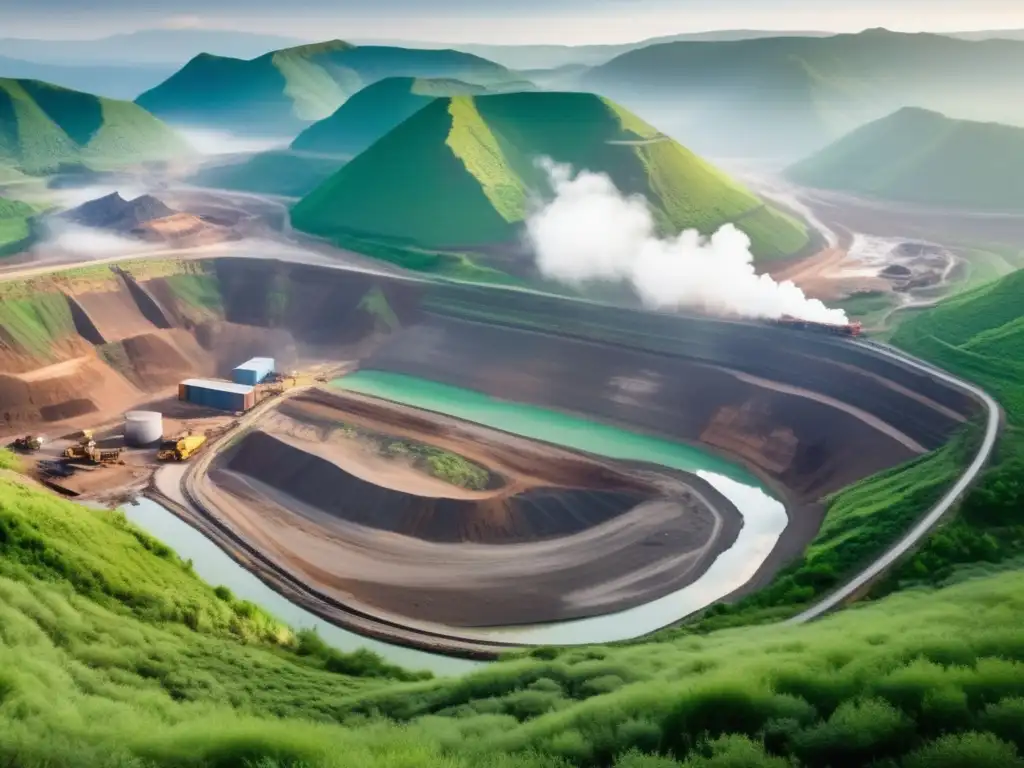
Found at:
(112, 653)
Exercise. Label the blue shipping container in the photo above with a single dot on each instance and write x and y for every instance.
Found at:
(252, 372)
(222, 395)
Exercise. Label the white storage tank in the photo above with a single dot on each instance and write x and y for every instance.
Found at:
(143, 428)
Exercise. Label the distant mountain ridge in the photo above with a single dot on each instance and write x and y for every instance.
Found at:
(459, 173)
(282, 92)
(784, 97)
(167, 47)
(116, 213)
(110, 81)
(919, 156)
(44, 127)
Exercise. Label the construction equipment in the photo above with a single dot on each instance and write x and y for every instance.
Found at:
(90, 453)
(180, 449)
(28, 443)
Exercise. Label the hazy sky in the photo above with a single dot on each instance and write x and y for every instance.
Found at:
(499, 21)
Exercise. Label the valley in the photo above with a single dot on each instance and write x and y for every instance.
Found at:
(366, 403)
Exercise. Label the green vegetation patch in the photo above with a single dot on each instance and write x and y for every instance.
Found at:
(44, 127)
(37, 323)
(200, 292)
(437, 462)
(16, 226)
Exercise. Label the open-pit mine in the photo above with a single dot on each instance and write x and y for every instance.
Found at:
(501, 461)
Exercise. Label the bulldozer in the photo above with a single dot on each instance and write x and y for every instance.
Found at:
(28, 443)
(181, 448)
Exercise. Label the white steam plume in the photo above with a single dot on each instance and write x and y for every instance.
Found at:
(591, 231)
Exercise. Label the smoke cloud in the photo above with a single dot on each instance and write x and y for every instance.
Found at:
(590, 231)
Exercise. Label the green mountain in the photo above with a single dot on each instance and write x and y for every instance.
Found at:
(374, 111)
(459, 173)
(275, 172)
(919, 156)
(327, 145)
(43, 127)
(788, 96)
(282, 92)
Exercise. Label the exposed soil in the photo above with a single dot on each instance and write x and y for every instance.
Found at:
(566, 536)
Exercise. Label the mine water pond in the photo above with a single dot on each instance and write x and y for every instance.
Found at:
(764, 517)
(217, 568)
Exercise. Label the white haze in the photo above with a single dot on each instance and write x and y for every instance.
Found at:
(63, 239)
(210, 142)
(590, 231)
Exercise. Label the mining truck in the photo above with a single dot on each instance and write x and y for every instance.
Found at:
(180, 449)
(28, 443)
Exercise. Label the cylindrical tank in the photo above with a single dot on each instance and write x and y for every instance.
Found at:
(143, 428)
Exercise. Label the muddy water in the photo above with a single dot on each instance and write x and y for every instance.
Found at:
(215, 567)
(764, 517)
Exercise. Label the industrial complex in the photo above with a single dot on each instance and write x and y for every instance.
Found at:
(130, 450)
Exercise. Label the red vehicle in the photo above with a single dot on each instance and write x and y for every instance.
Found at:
(850, 329)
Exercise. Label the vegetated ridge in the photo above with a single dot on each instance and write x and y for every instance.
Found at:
(44, 127)
(16, 226)
(919, 156)
(786, 96)
(475, 161)
(374, 111)
(284, 91)
(325, 146)
(115, 653)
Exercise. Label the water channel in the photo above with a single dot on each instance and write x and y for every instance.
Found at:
(764, 521)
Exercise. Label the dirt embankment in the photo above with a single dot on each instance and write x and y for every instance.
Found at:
(564, 536)
(145, 328)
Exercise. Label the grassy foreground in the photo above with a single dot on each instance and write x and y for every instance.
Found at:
(112, 653)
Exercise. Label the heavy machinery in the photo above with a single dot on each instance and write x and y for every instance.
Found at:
(181, 448)
(89, 452)
(28, 443)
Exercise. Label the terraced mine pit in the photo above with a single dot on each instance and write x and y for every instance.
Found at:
(501, 458)
(558, 534)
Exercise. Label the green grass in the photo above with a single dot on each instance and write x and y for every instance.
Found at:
(36, 324)
(16, 228)
(112, 653)
(43, 127)
(475, 160)
(442, 464)
(924, 157)
(200, 292)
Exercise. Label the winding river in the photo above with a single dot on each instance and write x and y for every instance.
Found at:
(764, 520)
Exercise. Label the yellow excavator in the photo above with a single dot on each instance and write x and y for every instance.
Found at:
(181, 448)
